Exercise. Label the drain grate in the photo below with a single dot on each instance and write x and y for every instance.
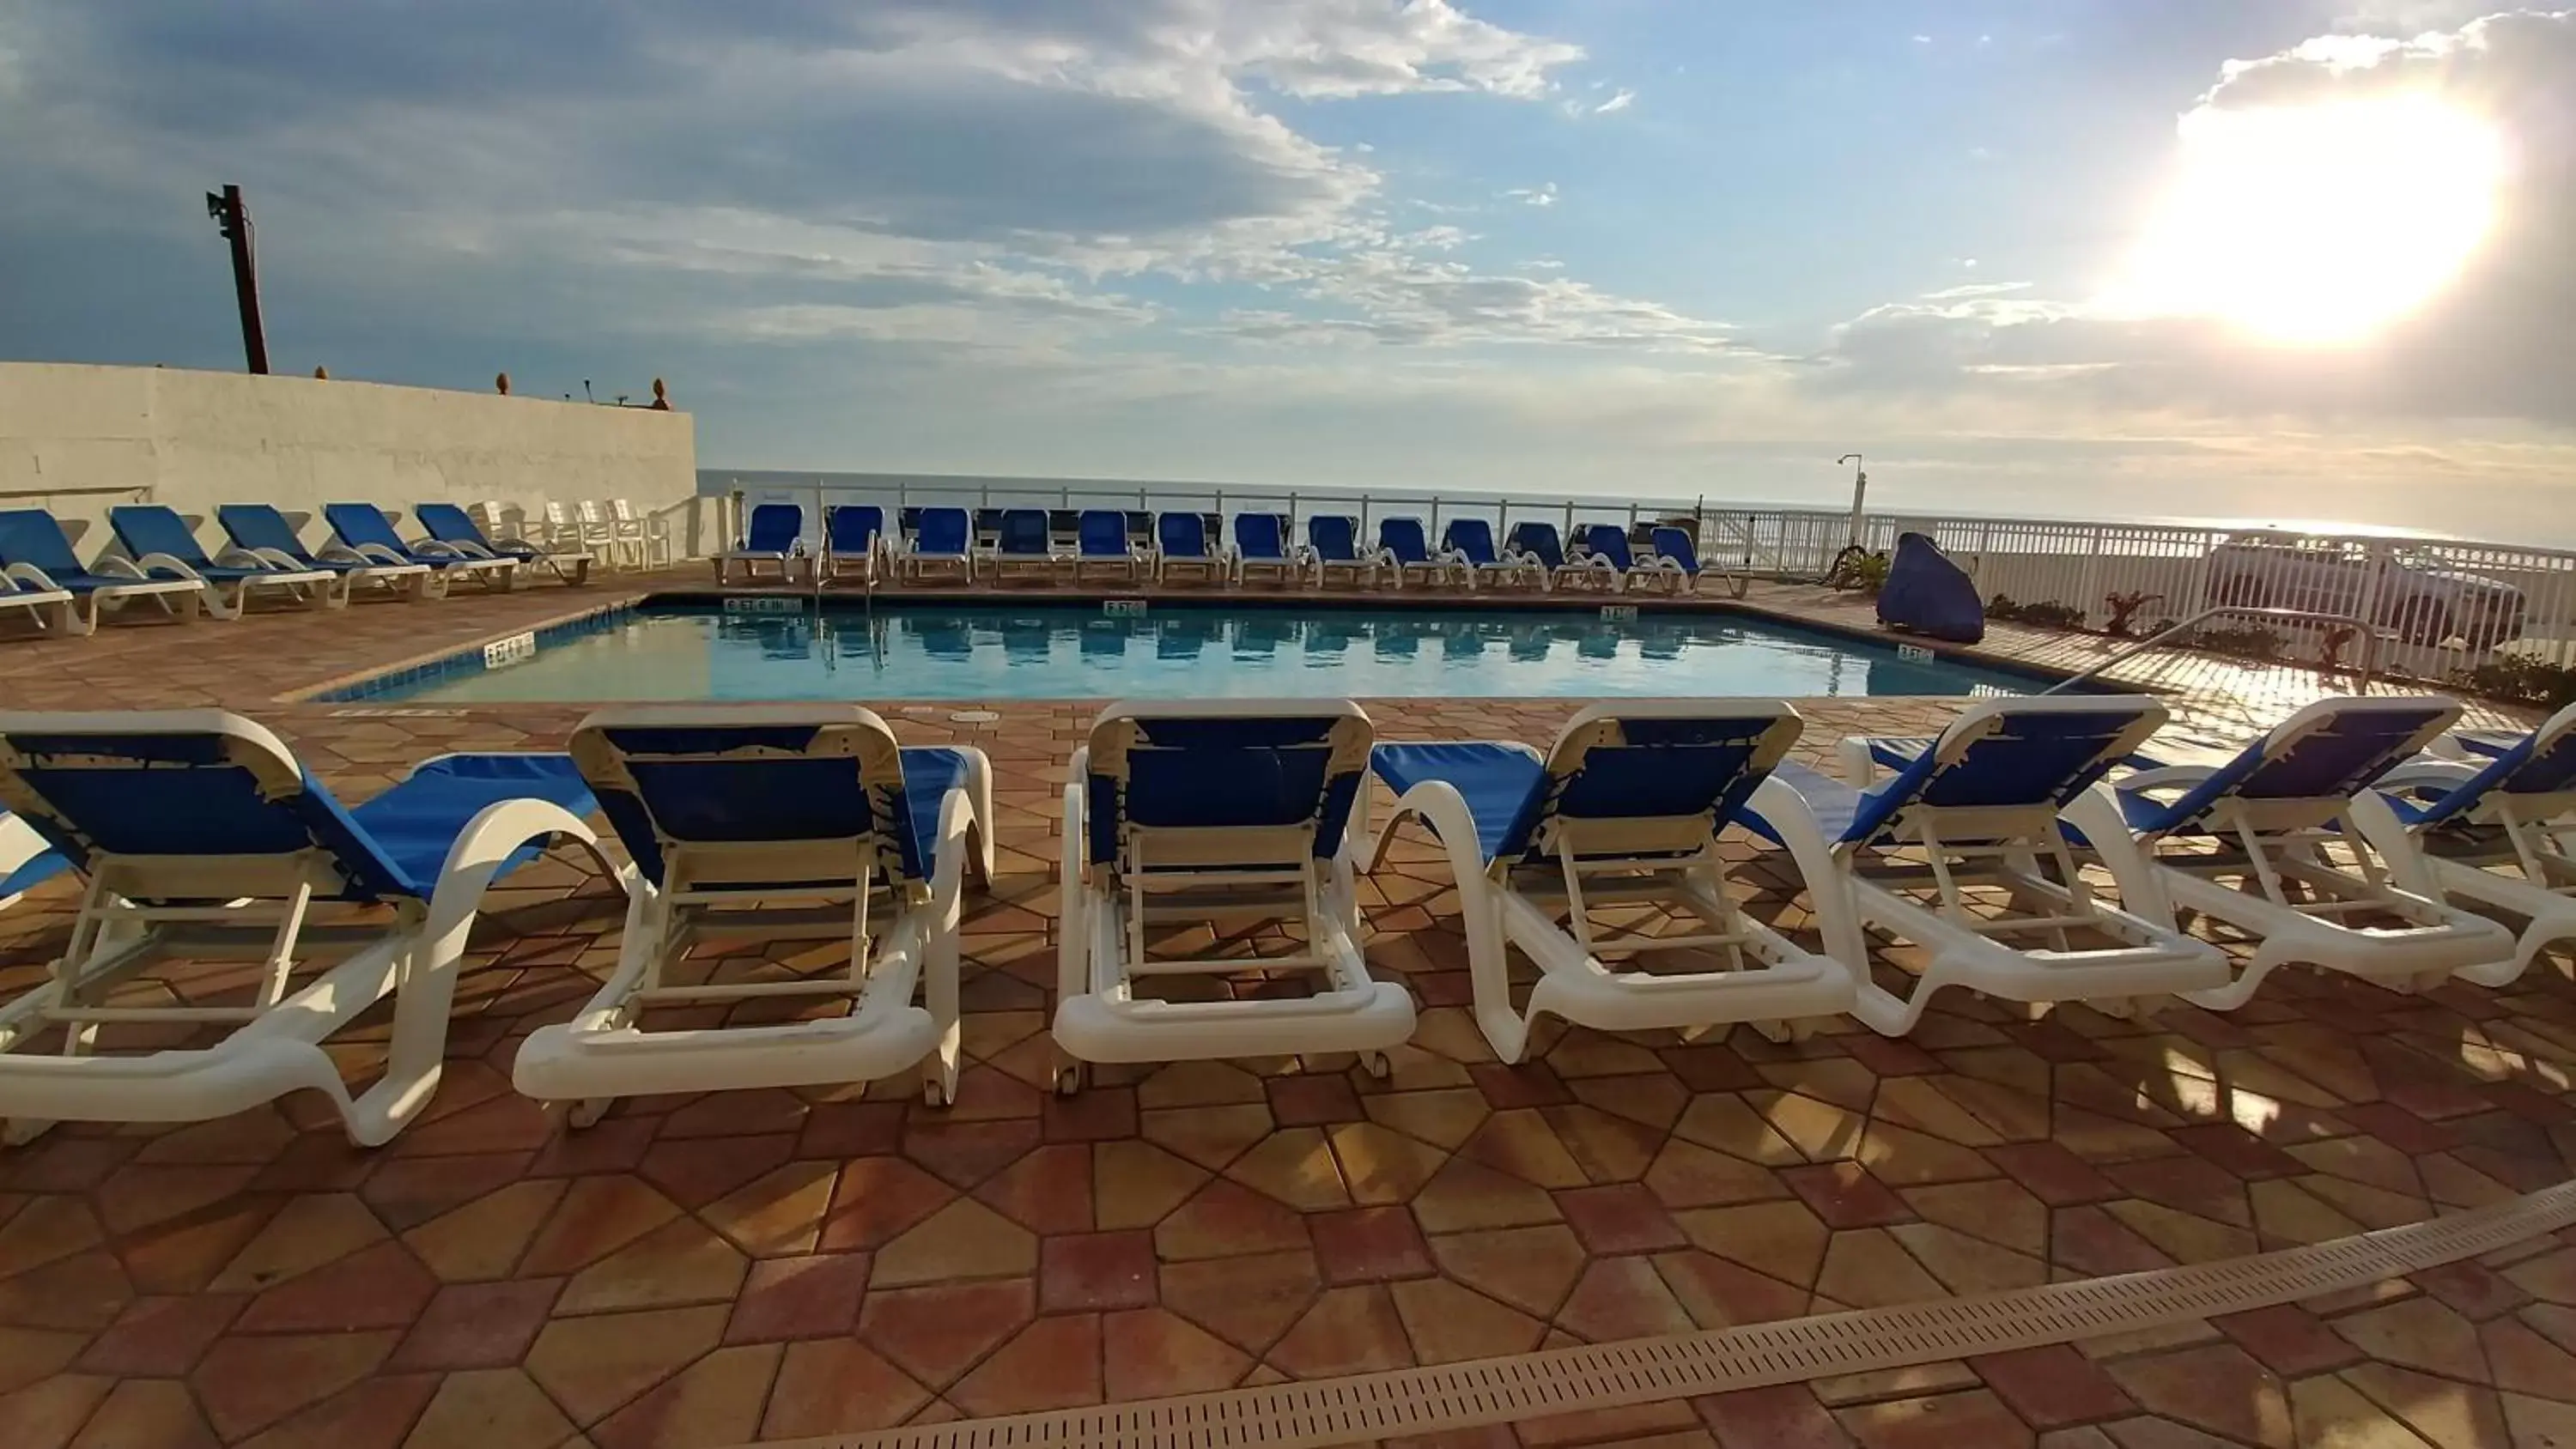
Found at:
(1636, 1371)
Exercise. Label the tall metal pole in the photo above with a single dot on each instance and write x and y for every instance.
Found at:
(1860, 490)
(233, 219)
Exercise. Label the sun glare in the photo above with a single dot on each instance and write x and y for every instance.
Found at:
(2319, 224)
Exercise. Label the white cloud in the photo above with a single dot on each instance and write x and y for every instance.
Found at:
(2487, 345)
(1620, 101)
(1542, 195)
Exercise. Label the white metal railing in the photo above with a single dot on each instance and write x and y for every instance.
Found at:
(2434, 606)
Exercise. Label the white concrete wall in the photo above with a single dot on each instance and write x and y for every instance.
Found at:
(78, 440)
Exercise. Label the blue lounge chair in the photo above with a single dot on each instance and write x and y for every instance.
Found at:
(1624, 810)
(1401, 542)
(1101, 546)
(451, 525)
(1469, 542)
(853, 541)
(38, 559)
(259, 529)
(1181, 542)
(942, 542)
(1677, 557)
(1979, 806)
(26, 862)
(2498, 832)
(365, 531)
(1333, 540)
(160, 543)
(1608, 544)
(1023, 544)
(1261, 545)
(1539, 544)
(200, 838)
(2260, 832)
(782, 822)
(774, 534)
(1220, 813)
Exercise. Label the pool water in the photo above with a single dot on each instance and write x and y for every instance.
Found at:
(1069, 651)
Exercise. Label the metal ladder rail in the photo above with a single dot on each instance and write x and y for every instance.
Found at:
(2369, 640)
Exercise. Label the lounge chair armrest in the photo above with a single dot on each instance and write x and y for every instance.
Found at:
(167, 563)
(433, 548)
(338, 552)
(2421, 773)
(117, 566)
(34, 577)
(275, 558)
(2163, 777)
(377, 553)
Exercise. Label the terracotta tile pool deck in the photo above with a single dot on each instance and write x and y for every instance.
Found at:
(760, 1265)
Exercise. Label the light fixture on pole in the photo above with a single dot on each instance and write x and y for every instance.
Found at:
(1860, 490)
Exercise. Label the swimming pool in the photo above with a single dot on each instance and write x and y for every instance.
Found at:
(1081, 651)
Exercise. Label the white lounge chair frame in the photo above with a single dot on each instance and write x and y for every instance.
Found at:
(1856, 886)
(275, 1048)
(1546, 908)
(2522, 863)
(2281, 842)
(902, 939)
(1213, 874)
(54, 610)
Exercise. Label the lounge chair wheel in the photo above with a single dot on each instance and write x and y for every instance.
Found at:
(934, 1093)
(1377, 1065)
(1068, 1079)
(587, 1111)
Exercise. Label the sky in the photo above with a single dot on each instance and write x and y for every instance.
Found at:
(2273, 259)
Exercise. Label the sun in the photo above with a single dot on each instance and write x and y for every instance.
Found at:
(2319, 224)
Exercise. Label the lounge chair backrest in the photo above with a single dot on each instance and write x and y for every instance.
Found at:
(1471, 538)
(808, 779)
(32, 536)
(1610, 541)
(449, 523)
(1538, 539)
(942, 531)
(156, 528)
(359, 523)
(2006, 755)
(2325, 754)
(200, 785)
(1335, 537)
(1253, 765)
(1402, 537)
(1102, 533)
(1258, 536)
(2542, 763)
(774, 528)
(260, 525)
(1181, 535)
(1024, 531)
(1675, 544)
(1642, 779)
(852, 528)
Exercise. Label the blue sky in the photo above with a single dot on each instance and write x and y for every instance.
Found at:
(2013, 249)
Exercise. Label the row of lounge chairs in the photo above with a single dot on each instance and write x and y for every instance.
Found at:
(156, 558)
(2357, 836)
(1104, 547)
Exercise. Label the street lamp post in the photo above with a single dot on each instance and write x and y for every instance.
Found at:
(232, 218)
(1860, 490)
